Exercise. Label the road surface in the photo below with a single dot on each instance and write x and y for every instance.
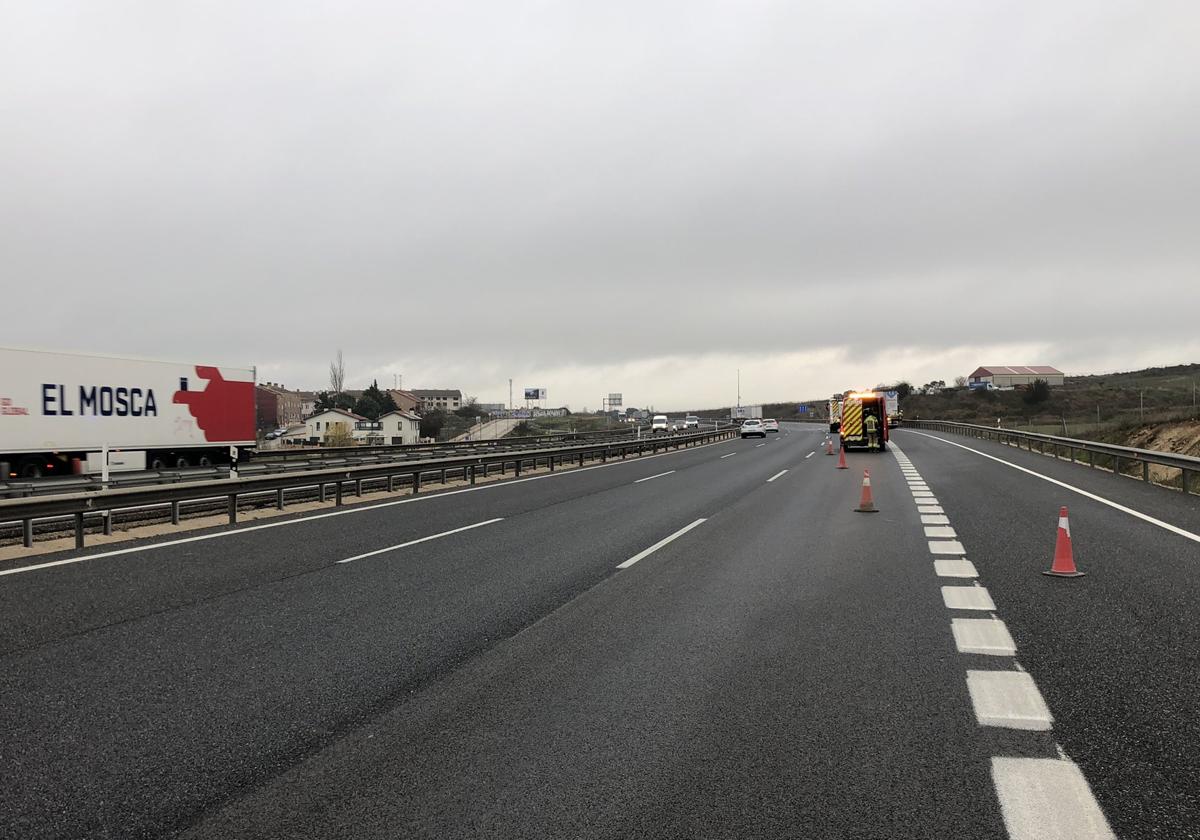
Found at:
(707, 643)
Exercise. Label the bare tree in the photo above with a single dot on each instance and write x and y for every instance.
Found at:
(337, 374)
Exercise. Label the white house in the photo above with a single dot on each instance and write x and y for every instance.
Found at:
(332, 420)
(399, 427)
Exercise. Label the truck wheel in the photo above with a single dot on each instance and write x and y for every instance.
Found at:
(204, 461)
(29, 467)
(181, 463)
(157, 462)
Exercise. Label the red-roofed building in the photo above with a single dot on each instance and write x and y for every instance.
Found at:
(1013, 376)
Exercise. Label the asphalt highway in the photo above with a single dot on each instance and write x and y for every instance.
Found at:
(707, 643)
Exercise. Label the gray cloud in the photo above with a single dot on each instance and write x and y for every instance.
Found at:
(591, 190)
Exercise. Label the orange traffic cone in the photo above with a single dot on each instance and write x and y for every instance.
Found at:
(866, 504)
(828, 446)
(1064, 558)
(841, 464)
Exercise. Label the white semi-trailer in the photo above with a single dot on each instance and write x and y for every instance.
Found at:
(60, 413)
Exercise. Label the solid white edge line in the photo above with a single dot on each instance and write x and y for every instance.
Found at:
(1167, 526)
(777, 475)
(135, 549)
(421, 540)
(652, 477)
(647, 552)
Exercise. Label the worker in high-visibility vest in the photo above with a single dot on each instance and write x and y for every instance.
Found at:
(872, 431)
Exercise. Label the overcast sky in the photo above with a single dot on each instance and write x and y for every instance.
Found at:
(604, 196)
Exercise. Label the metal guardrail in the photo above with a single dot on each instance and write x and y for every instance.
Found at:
(390, 474)
(294, 459)
(286, 453)
(1187, 465)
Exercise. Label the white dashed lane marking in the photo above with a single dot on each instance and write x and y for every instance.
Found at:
(946, 547)
(1008, 699)
(955, 568)
(934, 519)
(921, 508)
(967, 598)
(988, 636)
(646, 553)
(1047, 798)
(777, 475)
(939, 531)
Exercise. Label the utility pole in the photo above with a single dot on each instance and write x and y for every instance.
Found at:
(1142, 406)
(739, 387)
(510, 395)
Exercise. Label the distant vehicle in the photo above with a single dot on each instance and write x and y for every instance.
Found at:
(743, 412)
(753, 428)
(771, 425)
(678, 425)
(61, 411)
(691, 422)
(891, 400)
(835, 412)
(660, 424)
(271, 435)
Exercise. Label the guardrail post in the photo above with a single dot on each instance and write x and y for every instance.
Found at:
(27, 532)
(391, 483)
(279, 499)
(321, 492)
(79, 530)
(416, 482)
(174, 513)
(472, 473)
(552, 460)
(1146, 471)
(1184, 476)
(1091, 459)
(233, 508)
(581, 459)
(443, 475)
(337, 492)
(517, 467)
(108, 517)
(358, 487)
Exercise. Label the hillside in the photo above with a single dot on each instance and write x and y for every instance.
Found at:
(1084, 404)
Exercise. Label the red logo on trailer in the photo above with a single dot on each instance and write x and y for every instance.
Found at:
(224, 410)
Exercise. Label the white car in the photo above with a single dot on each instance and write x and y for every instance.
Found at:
(691, 422)
(660, 424)
(771, 425)
(753, 428)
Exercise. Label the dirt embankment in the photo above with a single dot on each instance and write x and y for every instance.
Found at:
(1182, 438)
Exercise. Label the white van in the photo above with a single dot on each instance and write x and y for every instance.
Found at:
(659, 424)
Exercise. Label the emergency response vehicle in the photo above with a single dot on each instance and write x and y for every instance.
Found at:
(857, 406)
(835, 412)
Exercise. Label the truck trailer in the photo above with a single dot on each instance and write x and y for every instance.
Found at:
(63, 413)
